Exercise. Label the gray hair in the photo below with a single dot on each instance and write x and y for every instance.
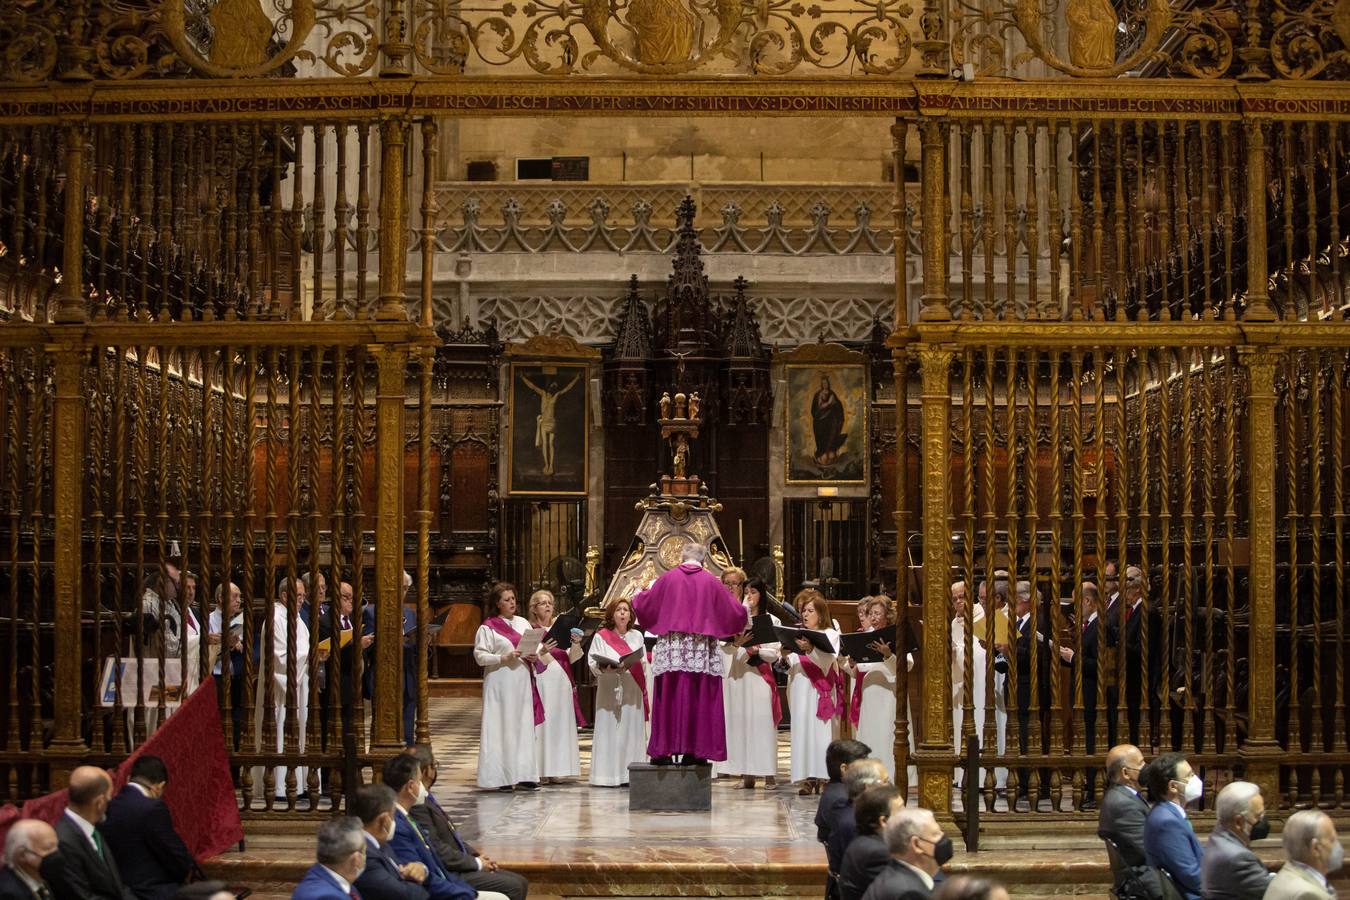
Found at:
(407, 580)
(286, 587)
(20, 837)
(907, 823)
(1235, 800)
(338, 839)
(1024, 590)
(1300, 830)
(862, 774)
(694, 552)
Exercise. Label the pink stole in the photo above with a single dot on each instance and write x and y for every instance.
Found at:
(560, 657)
(855, 710)
(502, 627)
(620, 646)
(766, 672)
(830, 688)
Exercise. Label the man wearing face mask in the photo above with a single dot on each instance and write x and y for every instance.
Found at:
(918, 850)
(384, 878)
(1313, 851)
(403, 775)
(1170, 843)
(28, 845)
(88, 870)
(1124, 809)
(151, 856)
(341, 855)
(1231, 871)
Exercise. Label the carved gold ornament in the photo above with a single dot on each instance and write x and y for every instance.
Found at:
(670, 549)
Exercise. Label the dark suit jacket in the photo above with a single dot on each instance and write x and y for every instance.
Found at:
(455, 854)
(897, 882)
(831, 796)
(1122, 819)
(381, 881)
(12, 887)
(1170, 843)
(864, 859)
(151, 856)
(410, 846)
(86, 874)
(1230, 870)
(318, 885)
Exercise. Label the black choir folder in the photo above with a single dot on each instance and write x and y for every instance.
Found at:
(761, 631)
(856, 645)
(788, 638)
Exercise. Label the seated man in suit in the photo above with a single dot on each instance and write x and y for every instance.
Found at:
(1170, 843)
(1230, 870)
(866, 854)
(403, 776)
(1124, 808)
(383, 878)
(341, 855)
(151, 856)
(27, 846)
(837, 757)
(456, 855)
(1312, 851)
(861, 774)
(88, 870)
(918, 850)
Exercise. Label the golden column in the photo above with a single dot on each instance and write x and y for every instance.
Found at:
(933, 752)
(1258, 308)
(1260, 752)
(898, 341)
(934, 218)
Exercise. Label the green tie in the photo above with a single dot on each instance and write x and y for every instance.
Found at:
(98, 842)
(417, 831)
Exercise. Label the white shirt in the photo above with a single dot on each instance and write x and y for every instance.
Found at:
(1179, 807)
(86, 827)
(1316, 875)
(342, 882)
(35, 886)
(139, 787)
(927, 879)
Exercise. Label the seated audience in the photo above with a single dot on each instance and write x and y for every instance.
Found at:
(866, 855)
(1313, 851)
(837, 756)
(404, 777)
(1230, 870)
(341, 855)
(383, 878)
(860, 775)
(1170, 843)
(88, 870)
(456, 855)
(918, 849)
(1124, 808)
(28, 845)
(964, 887)
(151, 856)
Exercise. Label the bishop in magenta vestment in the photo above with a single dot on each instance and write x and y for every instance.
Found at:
(689, 610)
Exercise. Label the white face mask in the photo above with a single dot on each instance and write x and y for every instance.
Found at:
(1337, 858)
(422, 792)
(393, 828)
(1194, 788)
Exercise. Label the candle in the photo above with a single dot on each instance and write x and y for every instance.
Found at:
(740, 534)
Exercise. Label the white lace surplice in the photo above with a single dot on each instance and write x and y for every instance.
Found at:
(681, 652)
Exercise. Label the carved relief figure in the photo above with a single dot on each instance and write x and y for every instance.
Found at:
(545, 422)
(1092, 33)
(665, 30)
(242, 33)
(665, 405)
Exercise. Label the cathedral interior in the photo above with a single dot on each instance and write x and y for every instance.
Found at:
(962, 286)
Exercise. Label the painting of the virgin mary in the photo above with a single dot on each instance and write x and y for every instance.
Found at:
(826, 423)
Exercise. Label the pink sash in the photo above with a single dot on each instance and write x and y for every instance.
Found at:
(855, 708)
(766, 672)
(502, 627)
(560, 656)
(620, 646)
(830, 688)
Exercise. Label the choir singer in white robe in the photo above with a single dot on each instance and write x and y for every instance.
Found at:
(978, 673)
(555, 738)
(281, 644)
(751, 700)
(621, 702)
(815, 694)
(512, 706)
(872, 710)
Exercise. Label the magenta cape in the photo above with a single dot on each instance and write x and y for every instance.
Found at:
(691, 600)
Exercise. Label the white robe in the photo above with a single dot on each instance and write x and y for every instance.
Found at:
(876, 718)
(280, 649)
(506, 751)
(168, 636)
(620, 733)
(752, 736)
(810, 736)
(555, 739)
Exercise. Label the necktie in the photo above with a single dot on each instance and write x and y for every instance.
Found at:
(346, 624)
(354, 894)
(98, 842)
(43, 893)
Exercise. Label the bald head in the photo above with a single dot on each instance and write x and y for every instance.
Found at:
(90, 790)
(1123, 763)
(1310, 838)
(27, 843)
